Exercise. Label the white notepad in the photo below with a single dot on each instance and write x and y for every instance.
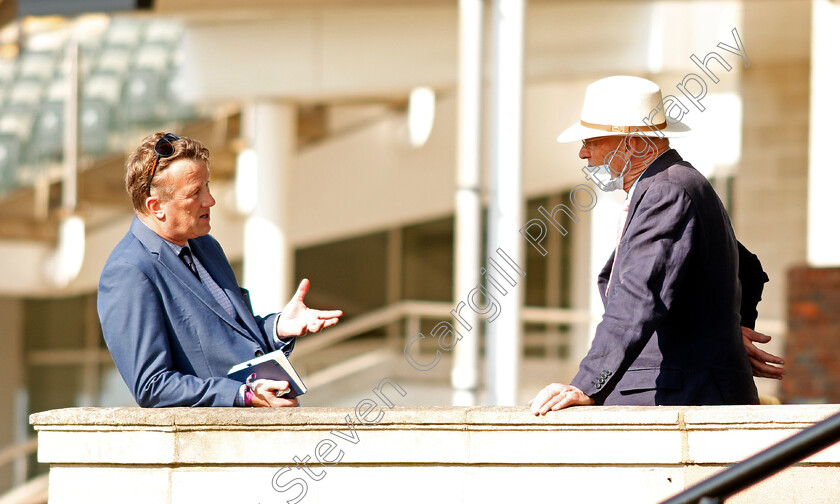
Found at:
(270, 366)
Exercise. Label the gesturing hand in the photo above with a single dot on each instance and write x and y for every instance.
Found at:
(297, 319)
(759, 359)
(557, 396)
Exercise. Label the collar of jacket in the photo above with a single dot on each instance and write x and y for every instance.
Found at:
(155, 244)
(659, 165)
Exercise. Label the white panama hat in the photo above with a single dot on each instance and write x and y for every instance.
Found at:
(619, 105)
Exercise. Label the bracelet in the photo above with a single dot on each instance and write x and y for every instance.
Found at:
(249, 389)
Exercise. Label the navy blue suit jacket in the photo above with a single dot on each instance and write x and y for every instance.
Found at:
(671, 328)
(172, 342)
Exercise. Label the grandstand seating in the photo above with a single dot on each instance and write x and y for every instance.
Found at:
(128, 82)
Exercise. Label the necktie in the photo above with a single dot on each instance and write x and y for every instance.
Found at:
(622, 220)
(187, 257)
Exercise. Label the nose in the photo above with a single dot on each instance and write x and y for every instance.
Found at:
(584, 152)
(209, 200)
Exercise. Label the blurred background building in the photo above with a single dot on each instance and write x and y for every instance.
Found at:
(337, 135)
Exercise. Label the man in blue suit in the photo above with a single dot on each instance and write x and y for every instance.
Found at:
(672, 329)
(172, 313)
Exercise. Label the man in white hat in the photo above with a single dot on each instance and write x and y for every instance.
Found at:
(672, 328)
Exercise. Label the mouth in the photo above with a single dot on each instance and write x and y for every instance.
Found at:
(204, 216)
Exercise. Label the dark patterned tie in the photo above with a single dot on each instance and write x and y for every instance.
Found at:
(187, 257)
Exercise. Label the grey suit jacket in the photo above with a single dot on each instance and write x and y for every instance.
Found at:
(671, 328)
(172, 342)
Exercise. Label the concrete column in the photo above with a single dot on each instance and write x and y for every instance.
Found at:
(603, 221)
(582, 284)
(270, 127)
(468, 198)
(505, 207)
(823, 204)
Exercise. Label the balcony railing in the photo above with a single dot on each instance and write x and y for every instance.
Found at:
(380, 452)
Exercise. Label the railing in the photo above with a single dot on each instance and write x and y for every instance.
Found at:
(411, 313)
(17, 454)
(762, 465)
(188, 455)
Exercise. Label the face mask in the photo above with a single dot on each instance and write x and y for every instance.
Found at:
(603, 175)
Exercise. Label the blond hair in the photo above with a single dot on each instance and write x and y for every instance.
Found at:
(140, 163)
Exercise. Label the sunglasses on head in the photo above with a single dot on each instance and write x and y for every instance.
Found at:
(163, 149)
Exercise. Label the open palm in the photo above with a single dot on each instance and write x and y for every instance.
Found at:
(297, 319)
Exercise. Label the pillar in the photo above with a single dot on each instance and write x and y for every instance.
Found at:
(270, 128)
(505, 208)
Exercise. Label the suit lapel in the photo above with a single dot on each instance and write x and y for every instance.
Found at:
(171, 262)
(667, 159)
(223, 276)
(659, 165)
(604, 278)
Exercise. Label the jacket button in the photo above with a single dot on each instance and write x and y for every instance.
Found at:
(258, 353)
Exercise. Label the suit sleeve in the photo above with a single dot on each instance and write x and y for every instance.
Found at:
(652, 256)
(268, 327)
(135, 330)
(752, 278)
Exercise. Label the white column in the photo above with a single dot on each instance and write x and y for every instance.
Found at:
(69, 192)
(602, 232)
(505, 207)
(582, 284)
(468, 198)
(823, 204)
(268, 261)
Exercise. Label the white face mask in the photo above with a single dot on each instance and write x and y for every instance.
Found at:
(604, 176)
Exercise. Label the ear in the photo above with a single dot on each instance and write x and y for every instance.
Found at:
(154, 208)
(642, 148)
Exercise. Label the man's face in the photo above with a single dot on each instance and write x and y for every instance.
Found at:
(600, 150)
(187, 211)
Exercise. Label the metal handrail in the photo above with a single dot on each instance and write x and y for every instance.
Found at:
(395, 312)
(13, 453)
(762, 465)
(10, 453)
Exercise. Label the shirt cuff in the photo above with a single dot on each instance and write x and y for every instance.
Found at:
(240, 397)
(285, 344)
(276, 338)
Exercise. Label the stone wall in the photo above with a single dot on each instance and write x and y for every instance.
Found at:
(407, 455)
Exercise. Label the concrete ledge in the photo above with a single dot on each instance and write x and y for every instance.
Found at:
(452, 454)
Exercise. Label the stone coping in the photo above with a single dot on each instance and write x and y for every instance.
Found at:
(419, 454)
(678, 417)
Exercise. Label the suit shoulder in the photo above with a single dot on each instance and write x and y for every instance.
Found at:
(685, 175)
(129, 252)
(682, 180)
